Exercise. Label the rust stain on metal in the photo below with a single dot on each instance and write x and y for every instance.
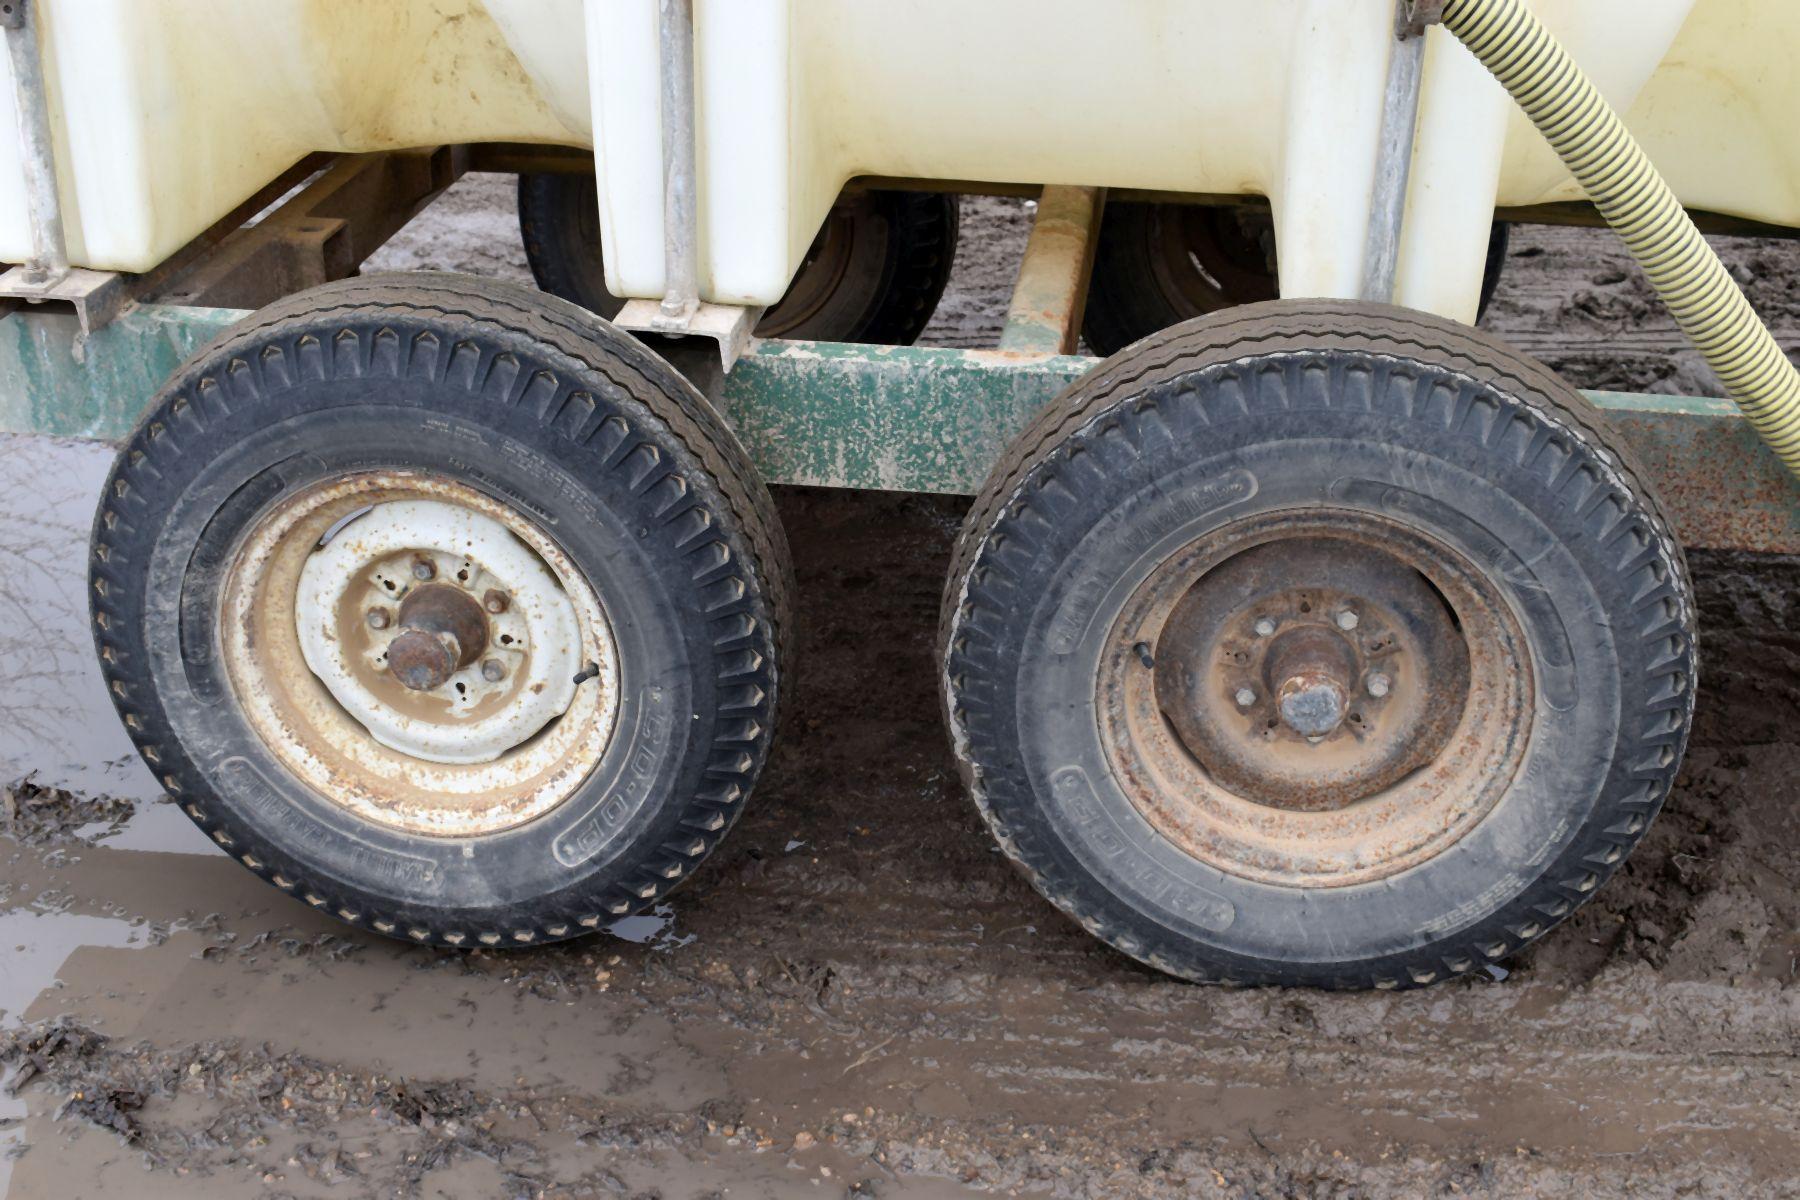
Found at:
(1287, 601)
(302, 724)
(1044, 316)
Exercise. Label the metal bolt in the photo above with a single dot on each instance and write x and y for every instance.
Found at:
(424, 568)
(1264, 627)
(379, 618)
(495, 600)
(1347, 620)
(492, 670)
(1379, 684)
(1245, 697)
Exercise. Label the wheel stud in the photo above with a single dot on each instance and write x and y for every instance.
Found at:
(380, 618)
(495, 601)
(1347, 620)
(492, 670)
(1245, 697)
(1264, 627)
(424, 569)
(1379, 684)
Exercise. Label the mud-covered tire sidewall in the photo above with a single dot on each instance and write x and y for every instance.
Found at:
(624, 499)
(1584, 564)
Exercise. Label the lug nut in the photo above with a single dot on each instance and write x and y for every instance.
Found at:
(1347, 620)
(380, 618)
(492, 670)
(1264, 627)
(1245, 697)
(424, 569)
(495, 600)
(1379, 684)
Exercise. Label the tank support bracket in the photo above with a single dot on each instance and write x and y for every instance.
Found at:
(1393, 171)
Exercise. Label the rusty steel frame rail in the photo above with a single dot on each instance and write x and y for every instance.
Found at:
(324, 232)
(1050, 293)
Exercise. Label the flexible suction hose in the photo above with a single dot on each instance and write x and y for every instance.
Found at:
(1609, 164)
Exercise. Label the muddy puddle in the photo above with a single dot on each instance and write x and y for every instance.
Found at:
(856, 997)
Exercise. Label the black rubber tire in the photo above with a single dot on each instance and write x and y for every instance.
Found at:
(900, 261)
(529, 399)
(1128, 299)
(1456, 435)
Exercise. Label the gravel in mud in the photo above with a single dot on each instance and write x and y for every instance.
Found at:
(857, 997)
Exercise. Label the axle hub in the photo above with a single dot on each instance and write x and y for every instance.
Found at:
(1309, 672)
(442, 630)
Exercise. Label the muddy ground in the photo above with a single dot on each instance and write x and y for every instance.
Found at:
(856, 997)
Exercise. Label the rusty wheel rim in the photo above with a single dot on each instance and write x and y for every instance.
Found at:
(497, 733)
(1315, 699)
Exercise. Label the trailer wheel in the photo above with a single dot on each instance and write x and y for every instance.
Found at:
(1160, 264)
(873, 274)
(1318, 643)
(445, 608)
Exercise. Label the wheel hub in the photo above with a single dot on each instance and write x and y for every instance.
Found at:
(1316, 671)
(1270, 675)
(442, 629)
(410, 648)
(442, 678)
(1321, 698)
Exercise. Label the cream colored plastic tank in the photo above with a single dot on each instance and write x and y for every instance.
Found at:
(171, 112)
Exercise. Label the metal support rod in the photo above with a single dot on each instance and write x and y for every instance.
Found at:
(1044, 316)
(1393, 169)
(681, 216)
(49, 261)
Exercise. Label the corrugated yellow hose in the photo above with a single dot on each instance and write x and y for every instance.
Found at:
(1607, 161)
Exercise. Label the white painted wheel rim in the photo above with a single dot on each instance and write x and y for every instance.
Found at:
(293, 694)
(536, 640)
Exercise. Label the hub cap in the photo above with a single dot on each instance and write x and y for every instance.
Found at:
(419, 653)
(1315, 698)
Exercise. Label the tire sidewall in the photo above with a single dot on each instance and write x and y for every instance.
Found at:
(555, 868)
(1122, 510)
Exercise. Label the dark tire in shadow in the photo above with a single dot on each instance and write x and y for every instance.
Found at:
(1159, 264)
(873, 274)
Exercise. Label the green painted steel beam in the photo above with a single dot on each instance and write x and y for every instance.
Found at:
(53, 382)
(900, 418)
(896, 418)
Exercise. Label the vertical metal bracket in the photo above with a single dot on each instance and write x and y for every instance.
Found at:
(681, 213)
(96, 295)
(1416, 16)
(1393, 168)
(37, 156)
(681, 313)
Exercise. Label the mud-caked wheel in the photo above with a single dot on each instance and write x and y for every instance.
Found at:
(874, 273)
(444, 608)
(1318, 643)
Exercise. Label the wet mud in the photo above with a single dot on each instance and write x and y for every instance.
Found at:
(856, 996)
